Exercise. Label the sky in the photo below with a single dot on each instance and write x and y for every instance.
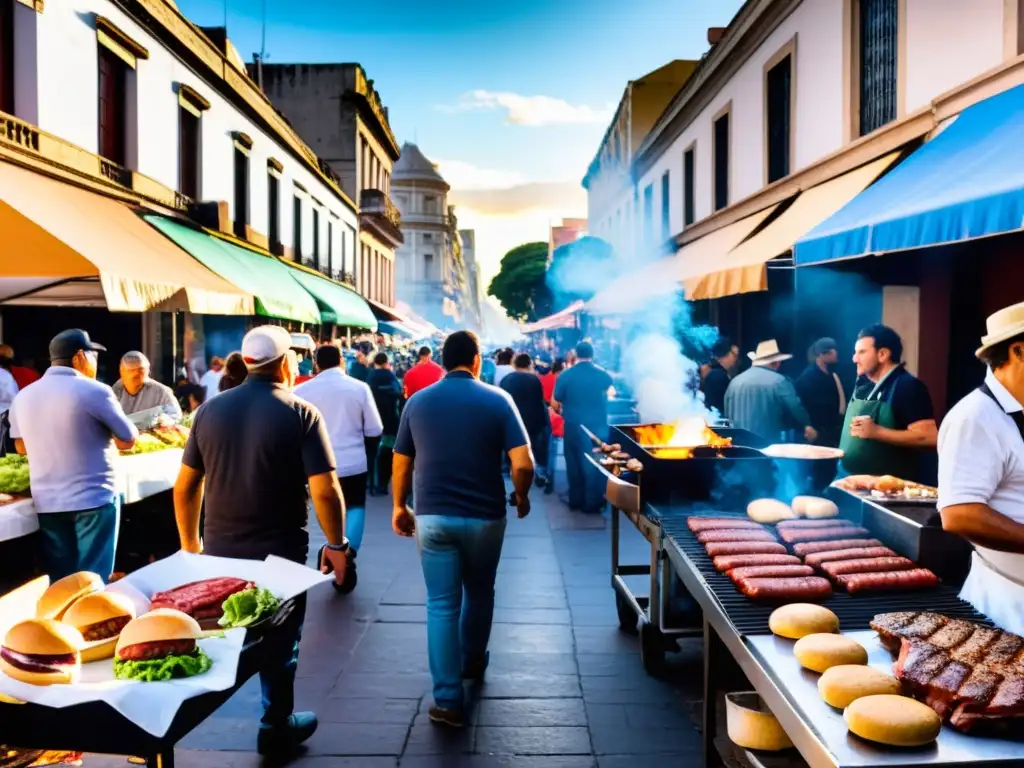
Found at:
(510, 99)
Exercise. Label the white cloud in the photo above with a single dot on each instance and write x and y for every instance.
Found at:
(461, 175)
(532, 110)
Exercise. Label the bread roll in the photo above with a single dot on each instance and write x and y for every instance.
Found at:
(752, 726)
(798, 620)
(815, 507)
(889, 484)
(898, 721)
(769, 511)
(841, 686)
(822, 651)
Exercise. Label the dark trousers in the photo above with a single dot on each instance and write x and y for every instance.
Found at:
(585, 487)
(372, 449)
(385, 458)
(277, 675)
(539, 441)
(80, 541)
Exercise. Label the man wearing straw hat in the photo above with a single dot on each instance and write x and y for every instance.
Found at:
(981, 473)
(764, 401)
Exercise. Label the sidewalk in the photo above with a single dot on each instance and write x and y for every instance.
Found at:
(565, 688)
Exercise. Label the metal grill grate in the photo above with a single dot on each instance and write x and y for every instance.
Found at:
(854, 611)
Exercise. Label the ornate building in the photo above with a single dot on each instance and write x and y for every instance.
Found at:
(430, 272)
(474, 292)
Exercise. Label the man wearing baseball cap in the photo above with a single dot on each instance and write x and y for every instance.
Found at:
(68, 423)
(251, 452)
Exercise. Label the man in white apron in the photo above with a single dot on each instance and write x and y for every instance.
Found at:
(981, 474)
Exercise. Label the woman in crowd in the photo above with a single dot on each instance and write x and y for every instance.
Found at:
(234, 372)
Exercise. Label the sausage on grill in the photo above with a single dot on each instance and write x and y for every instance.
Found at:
(769, 571)
(835, 522)
(728, 562)
(868, 565)
(716, 548)
(786, 590)
(822, 534)
(810, 547)
(698, 524)
(919, 578)
(838, 555)
(734, 534)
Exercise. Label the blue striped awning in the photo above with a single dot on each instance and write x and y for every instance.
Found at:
(968, 182)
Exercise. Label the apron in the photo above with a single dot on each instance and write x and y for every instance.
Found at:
(872, 457)
(996, 589)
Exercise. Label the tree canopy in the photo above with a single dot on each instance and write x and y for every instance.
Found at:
(520, 285)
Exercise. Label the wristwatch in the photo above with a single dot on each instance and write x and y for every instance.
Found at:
(343, 547)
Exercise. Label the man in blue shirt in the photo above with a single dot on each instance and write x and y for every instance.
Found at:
(581, 397)
(68, 424)
(455, 433)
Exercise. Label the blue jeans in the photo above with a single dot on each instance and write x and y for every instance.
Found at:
(460, 558)
(80, 541)
(277, 674)
(353, 491)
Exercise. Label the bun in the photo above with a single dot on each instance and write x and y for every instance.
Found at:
(819, 652)
(97, 607)
(897, 721)
(63, 593)
(155, 626)
(798, 620)
(889, 484)
(769, 511)
(841, 686)
(815, 507)
(43, 637)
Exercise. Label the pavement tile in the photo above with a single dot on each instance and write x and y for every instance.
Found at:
(629, 740)
(609, 664)
(591, 595)
(517, 597)
(628, 690)
(208, 759)
(516, 686)
(532, 664)
(533, 741)
(531, 638)
(237, 734)
(693, 758)
(425, 738)
(371, 685)
(358, 739)
(531, 712)
(532, 616)
(497, 761)
(605, 640)
(345, 709)
(400, 614)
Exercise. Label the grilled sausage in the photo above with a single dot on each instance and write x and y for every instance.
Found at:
(809, 547)
(769, 571)
(822, 534)
(919, 578)
(734, 534)
(868, 565)
(728, 562)
(698, 524)
(716, 548)
(804, 525)
(786, 590)
(838, 555)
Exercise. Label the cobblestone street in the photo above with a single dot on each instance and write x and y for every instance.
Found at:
(565, 688)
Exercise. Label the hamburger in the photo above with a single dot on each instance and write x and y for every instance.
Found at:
(100, 617)
(159, 646)
(42, 652)
(61, 594)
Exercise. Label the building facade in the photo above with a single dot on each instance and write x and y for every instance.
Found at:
(569, 231)
(473, 295)
(336, 108)
(430, 273)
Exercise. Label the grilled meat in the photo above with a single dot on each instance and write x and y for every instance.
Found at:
(698, 524)
(785, 590)
(769, 571)
(734, 534)
(918, 578)
(802, 524)
(815, 559)
(105, 630)
(867, 565)
(725, 563)
(791, 536)
(973, 650)
(157, 650)
(810, 547)
(716, 548)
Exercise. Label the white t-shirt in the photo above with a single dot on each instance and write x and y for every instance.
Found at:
(211, 381)
(501, 372)
(350, 415)
(981, 461)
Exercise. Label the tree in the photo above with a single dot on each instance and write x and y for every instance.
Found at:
(580, 269)
(520, 285)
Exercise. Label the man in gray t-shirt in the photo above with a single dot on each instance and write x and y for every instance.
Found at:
(137, 392)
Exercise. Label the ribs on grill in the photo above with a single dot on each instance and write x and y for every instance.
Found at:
(971, 675)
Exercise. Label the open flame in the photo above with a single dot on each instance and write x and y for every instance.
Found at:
(677, 441)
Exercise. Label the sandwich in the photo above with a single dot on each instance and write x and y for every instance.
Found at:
(42, 652)
(159, 646)
(61, 594)
(100, 617)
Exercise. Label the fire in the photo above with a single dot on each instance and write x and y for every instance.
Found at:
(676, 441)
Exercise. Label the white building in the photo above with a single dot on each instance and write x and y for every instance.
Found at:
(474, 290)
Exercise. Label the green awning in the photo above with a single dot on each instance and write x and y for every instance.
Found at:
(338, 304)
(266, 278)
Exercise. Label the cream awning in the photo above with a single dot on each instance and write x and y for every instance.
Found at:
(61, 245)
(744, 268)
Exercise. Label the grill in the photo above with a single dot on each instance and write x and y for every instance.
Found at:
(854, 612)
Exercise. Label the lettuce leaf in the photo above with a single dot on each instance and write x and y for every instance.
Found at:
(167, 668)
(247, 607)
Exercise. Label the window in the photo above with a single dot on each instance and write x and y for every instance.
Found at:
(721, 153)
(7, 56)
(689, 212)
(113, 109)
(429, 204)
(241, 191)
(779, 106)
(274, 211)
(878, 31)
(665, 230)
(618, 147)
(428, 266)
(297, 228)
(428, 237)
(330, 248)
(189, 158)
(316, 238)
(648, 232)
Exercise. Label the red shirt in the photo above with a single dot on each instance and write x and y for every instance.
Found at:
(547, 383)
(421, 376)
(303, 379)
(557, 425)
(23, 376)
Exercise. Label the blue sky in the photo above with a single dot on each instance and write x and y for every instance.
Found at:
(462, 78)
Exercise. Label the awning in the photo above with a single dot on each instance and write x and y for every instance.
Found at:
(396, 328)
(65, 246)
(744, 270)
(338, 304)
(277, 294)
(407, 316)
(966, 183)
(566, 318)
(383, 312)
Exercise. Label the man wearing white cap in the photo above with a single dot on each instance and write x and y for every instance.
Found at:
(252, 451)
(981, 474)
(764, 401)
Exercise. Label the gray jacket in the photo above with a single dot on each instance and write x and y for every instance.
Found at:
(765, 402)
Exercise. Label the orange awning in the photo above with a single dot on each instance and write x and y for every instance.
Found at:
(62, 245)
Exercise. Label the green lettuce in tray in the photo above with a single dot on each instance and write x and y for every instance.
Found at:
(167, 668)
(249, 607)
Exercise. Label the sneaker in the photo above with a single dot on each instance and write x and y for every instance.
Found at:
(475, 670)
(286, 738)
(448, 717)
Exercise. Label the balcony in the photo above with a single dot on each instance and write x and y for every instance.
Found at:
(378, 212)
